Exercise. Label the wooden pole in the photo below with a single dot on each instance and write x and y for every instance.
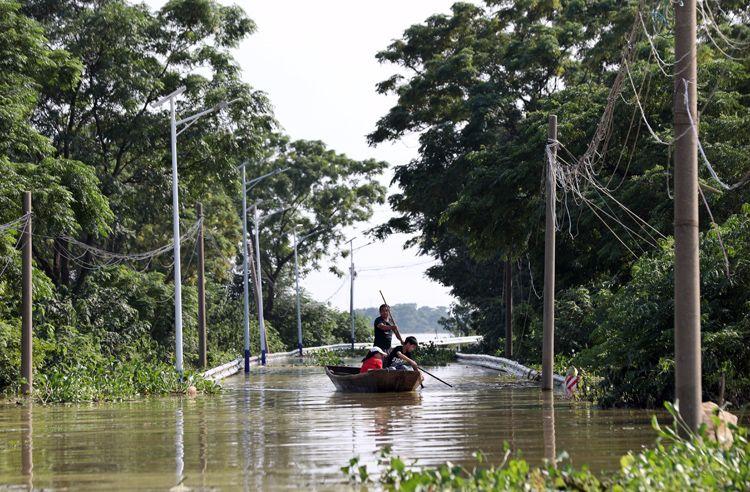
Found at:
(202, 337)
(27, 371)
(508, 309)
(548, 340)
(687, 327)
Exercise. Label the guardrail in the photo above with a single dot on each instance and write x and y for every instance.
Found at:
(236, 365)
(506, 365)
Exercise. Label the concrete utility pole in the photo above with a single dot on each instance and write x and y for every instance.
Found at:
(27, 327)
(508, 308)
(176, 237)
(246, 187)
(173, 124)
(687, 325)
(299, 310)
(259, 288)
(202, 337)
(352, 274)
(245, 286)
(548, 340)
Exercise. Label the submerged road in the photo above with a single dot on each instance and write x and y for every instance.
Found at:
(286, 428)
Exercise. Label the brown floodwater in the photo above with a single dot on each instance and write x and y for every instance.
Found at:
(286, 427)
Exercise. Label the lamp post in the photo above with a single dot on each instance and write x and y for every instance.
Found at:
(174, 123)
(352, 274)
(296, 277)
(257, 221)
(247, 186)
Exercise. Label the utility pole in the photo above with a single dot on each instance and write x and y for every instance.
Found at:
(548, 340)
(246, 259)
(299, 311)
(687, 325)
(176, 237)
(202, 338)
(245, 287)
(27, 370)
(352, 273)
(259, 288)
(173, 124)
(508, 308)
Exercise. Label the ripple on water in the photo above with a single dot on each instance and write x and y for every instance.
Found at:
(286, 427)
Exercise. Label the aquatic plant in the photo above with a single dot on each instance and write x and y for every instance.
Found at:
(692, 462)
(323, 358)
(429, 354)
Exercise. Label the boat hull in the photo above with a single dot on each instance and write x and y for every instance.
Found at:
(349, 380)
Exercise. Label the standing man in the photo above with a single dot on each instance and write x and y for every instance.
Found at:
(385, 328)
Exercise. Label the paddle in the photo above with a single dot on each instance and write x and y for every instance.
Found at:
(390, 315)
(435, 377)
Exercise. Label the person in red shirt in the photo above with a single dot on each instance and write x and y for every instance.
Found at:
(373, 360)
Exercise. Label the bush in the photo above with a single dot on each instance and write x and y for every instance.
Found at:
(430, 354)
(633, 342)
(324, 358)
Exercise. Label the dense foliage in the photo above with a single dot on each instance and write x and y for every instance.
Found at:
(477, 86)
(79, 130)
(674, 463)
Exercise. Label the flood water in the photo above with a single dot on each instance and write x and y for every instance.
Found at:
(286, 427)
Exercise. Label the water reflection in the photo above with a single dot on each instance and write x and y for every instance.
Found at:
(382, 414)
(548, 426)
(179, 444)
(27, 444)
(287, 427)
(202, 443)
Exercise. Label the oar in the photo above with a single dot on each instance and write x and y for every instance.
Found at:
(390, 314)
(435, 377)
(420, 368)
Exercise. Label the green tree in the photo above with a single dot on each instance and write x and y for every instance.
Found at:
(130, 57)
(321, 194)
(478, 84)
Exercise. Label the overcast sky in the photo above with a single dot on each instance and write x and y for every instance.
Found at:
(316, 61)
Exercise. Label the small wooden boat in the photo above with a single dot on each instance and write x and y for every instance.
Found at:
(348, 379)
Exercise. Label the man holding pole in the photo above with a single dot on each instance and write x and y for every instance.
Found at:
(385, 328)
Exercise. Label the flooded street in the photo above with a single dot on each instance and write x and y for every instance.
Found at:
(285, 427)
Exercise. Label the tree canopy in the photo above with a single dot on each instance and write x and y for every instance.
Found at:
(478, 84)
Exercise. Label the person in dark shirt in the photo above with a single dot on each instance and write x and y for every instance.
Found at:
(402, 355)
(385, 328)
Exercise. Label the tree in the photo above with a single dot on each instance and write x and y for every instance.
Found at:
(480, 83)
(129, 58)
(324, 192)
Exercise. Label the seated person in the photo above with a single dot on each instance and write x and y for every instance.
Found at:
(402, 356)
(373, 360)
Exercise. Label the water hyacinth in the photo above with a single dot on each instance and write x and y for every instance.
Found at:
(679, 460)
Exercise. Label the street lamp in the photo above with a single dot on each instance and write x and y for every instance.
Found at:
(296, 277)
(174, 123)
(257, 221)
(247, 186)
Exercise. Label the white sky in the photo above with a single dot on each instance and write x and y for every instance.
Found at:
(316, 61)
